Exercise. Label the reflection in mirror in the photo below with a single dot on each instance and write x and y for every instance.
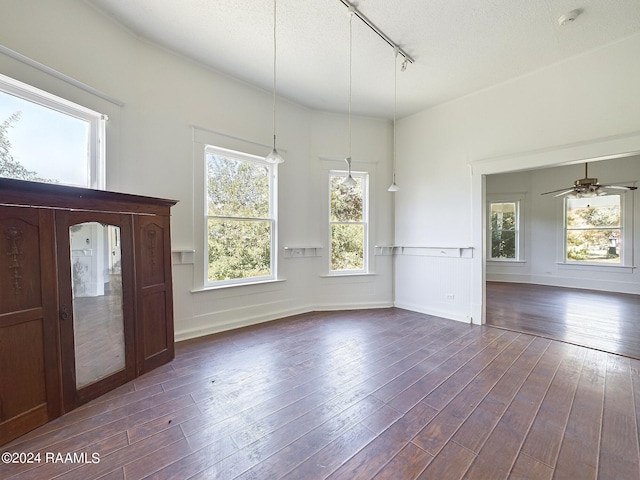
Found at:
(98, 324)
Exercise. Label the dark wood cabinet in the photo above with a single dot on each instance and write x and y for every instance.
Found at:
(85, 297)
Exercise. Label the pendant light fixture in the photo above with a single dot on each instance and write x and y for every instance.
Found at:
(274, 156)
(349, 181)
(394, 187)
(406, 60)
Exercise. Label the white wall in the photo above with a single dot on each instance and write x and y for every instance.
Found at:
(542, 227)
(159, 97)
(585, 107)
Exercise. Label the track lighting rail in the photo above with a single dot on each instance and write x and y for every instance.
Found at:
(379, 32)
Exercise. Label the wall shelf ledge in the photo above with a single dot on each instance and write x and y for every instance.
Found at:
(302, 252)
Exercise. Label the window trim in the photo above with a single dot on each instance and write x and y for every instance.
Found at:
(365, 176)
(626, 233)
(97, 124)
(273, 214)
(519, 200)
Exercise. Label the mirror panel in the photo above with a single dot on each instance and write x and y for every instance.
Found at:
(98, 320)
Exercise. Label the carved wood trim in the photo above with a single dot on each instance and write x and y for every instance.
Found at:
(152, 245)
(13, 234)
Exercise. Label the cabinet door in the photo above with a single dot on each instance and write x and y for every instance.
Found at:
(29, 372)
(155, 306)
(95, 272)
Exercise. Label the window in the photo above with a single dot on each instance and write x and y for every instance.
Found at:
(240, 217)
(49, 139)
(504, 229)
(348, 222)
(593, 228)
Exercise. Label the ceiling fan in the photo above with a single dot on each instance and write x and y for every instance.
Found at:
(587, 187)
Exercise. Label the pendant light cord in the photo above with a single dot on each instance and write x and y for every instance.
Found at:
(350, 76)
(395, 107)
(275, 50)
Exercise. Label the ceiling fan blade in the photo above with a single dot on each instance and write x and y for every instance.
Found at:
(563, 193)
(556, 191)
(619, 187)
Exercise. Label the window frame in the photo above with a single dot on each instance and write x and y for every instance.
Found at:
(365, 176)
(272, 219)
(97, 125)
(518, 199)
(626, 235)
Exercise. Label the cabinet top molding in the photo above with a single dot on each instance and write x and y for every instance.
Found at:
(37, 194)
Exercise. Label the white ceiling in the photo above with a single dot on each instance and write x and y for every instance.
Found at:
(460, 46)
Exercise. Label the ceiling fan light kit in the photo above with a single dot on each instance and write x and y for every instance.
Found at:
(588, 187)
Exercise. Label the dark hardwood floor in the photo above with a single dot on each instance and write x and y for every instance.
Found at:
(384, 394)
(601, 320)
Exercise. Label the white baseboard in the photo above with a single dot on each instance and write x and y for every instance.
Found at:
(435, 312)
(209, 325)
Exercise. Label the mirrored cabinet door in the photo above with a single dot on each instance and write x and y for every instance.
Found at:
(95, 310)
(96, 291)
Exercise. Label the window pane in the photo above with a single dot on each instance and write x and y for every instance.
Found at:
(236, 188)
(346, 202)
(594, 245)
(41, 144)
(239, 249)
(347, 247)
(503, 216)
(503, 244)
(593, 212)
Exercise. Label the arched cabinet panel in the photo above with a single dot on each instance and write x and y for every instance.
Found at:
(153, 264)
(86, 298)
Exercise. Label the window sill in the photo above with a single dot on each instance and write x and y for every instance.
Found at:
(233, 285)
(507, 262)
(600, 267)
(348, 274)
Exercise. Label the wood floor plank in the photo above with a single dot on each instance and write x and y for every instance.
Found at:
(443, 370)
(546, 433)
(527, 468)
(451, 463)
(635, 385)
(499, 453)
(579, 452)
(159, 424)
(329, 459)
(408, 463)
(196, 461)
(619, 443)
(372, 458)
(442, 395)
(145, 465)
(433, 356)
(382, 419)
(439, 431)
(479, 424)
(289, 457)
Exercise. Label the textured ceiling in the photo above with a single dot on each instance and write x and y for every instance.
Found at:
(460, 46)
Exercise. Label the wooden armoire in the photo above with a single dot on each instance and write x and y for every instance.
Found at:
(85, 297)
